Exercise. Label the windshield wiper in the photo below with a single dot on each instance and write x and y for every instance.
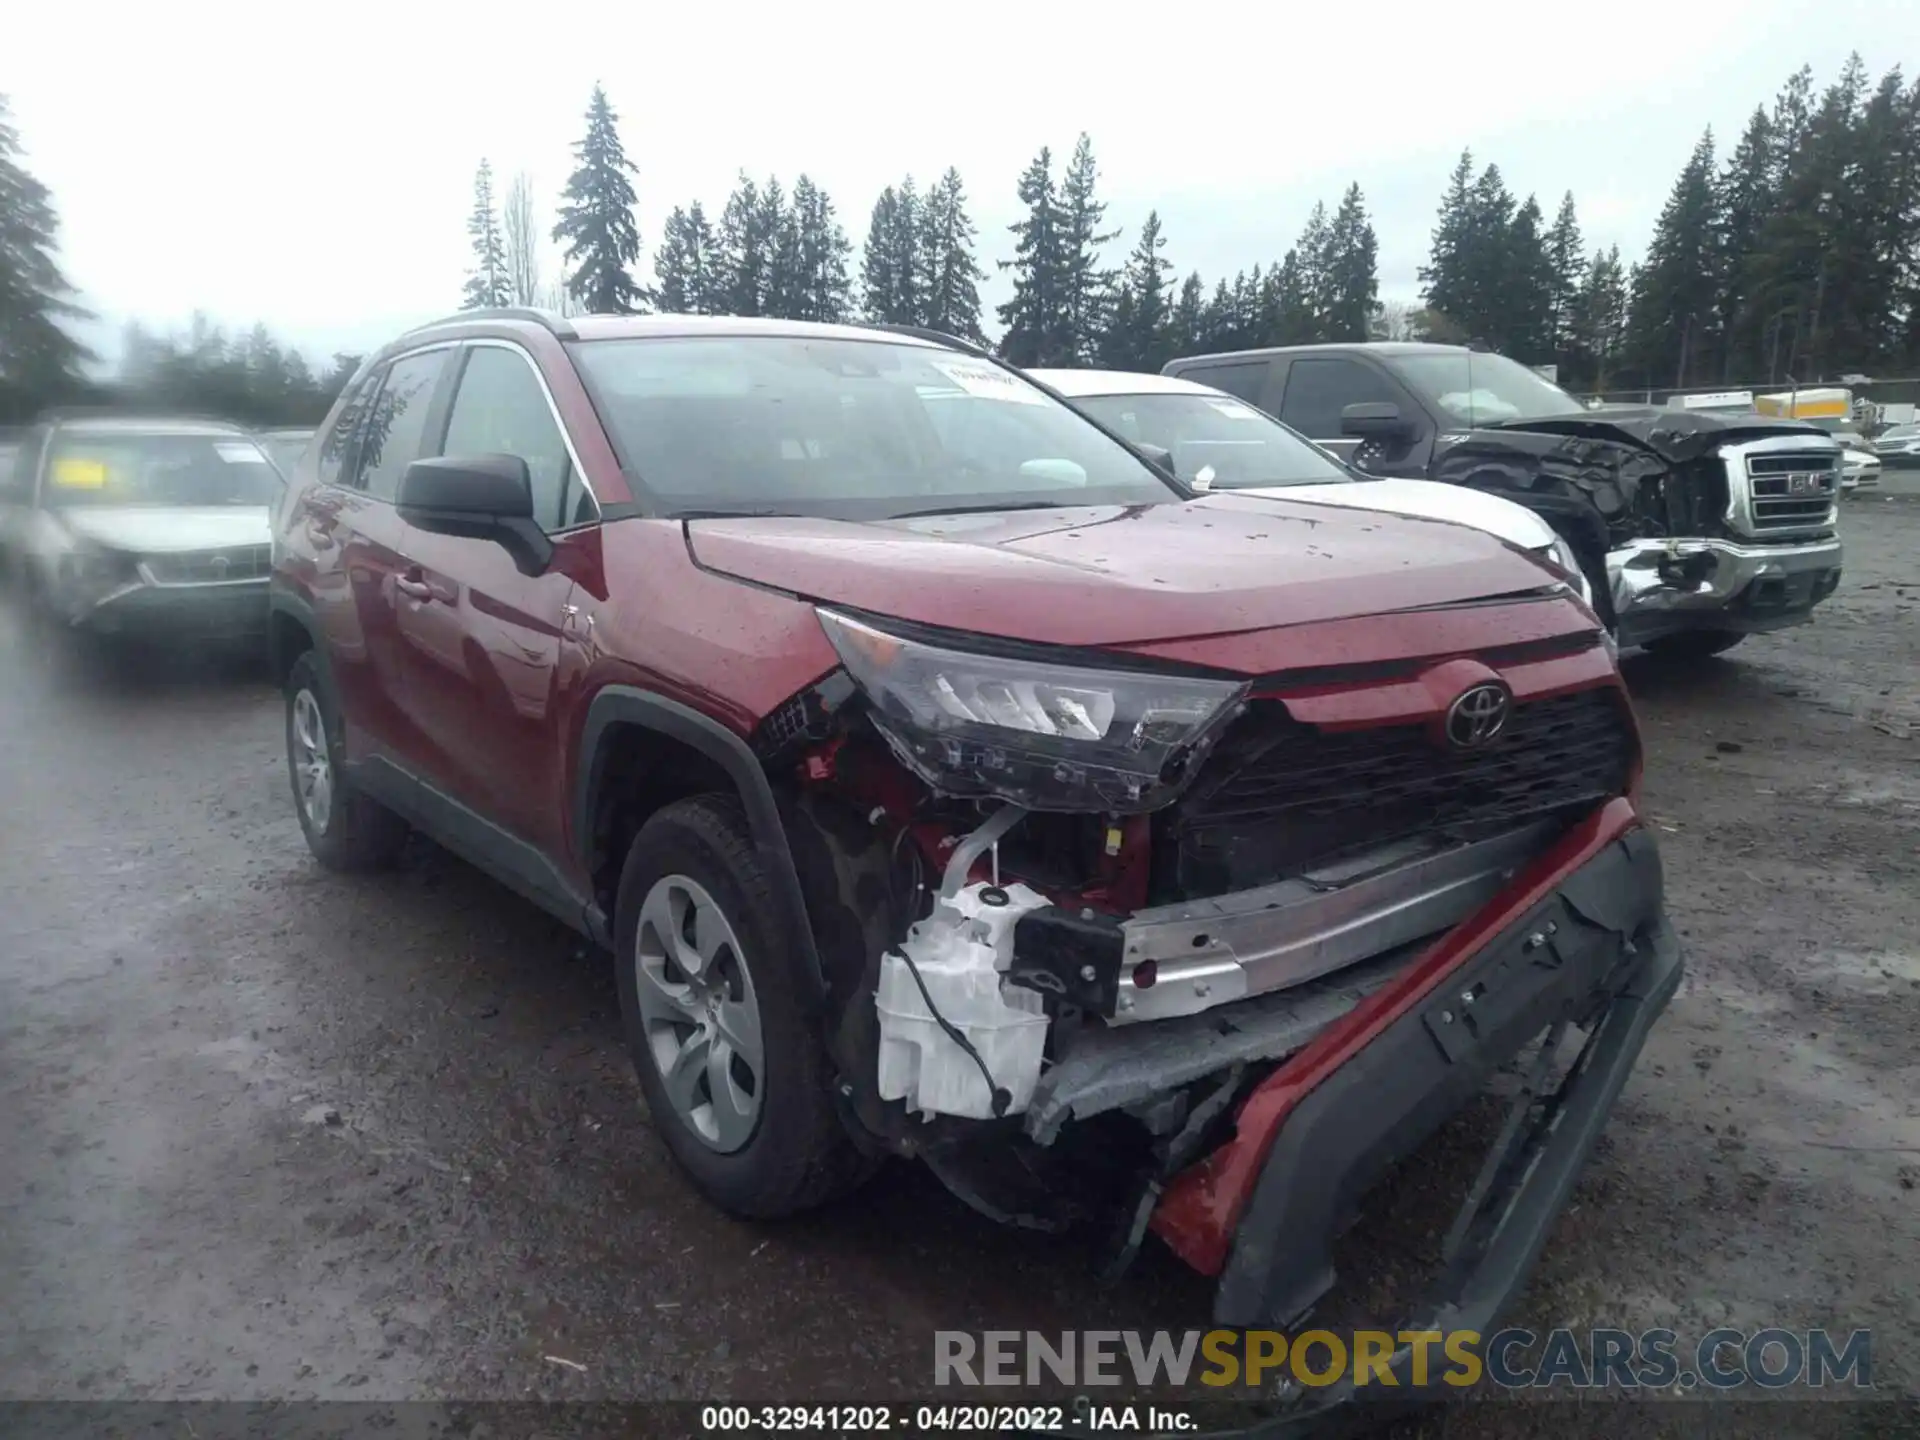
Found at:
(983, 509)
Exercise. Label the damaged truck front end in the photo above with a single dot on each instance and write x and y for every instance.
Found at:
(1709, 527)
(1193, 939)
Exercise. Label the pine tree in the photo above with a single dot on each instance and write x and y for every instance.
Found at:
(820, 287)
(1890, 201)
(1445, 284)
(949, 273)
(1186, 329)
(1039, 324)
(1744, 198)
(1087, 283)
(39, 360)
(1137, 336)
(1307, 262)
(487, 282)
(684, 265)
(1674, 309)
(773, 225)
(1566, 270)
(1349, 272)
(1490, 259)
(1600, 318)
(890, 263)
(596, 218)
(1289, 311)
(743, 252)
(1217, 319)
(1526, 328)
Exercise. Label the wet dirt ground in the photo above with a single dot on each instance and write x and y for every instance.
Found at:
(267, 1132)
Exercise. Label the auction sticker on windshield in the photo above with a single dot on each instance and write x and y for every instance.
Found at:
(987, 383)
(238, 452)
(75, 474)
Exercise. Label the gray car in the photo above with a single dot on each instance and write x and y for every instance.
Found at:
(285, 446)
(150, 528)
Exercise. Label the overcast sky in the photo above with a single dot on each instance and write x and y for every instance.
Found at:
(312, 166)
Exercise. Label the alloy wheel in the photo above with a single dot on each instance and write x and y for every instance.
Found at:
(312, 765)
(698, 1008)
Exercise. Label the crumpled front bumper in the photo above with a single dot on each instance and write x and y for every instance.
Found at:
(1584, 940)
(1662, 587)
(229, 610)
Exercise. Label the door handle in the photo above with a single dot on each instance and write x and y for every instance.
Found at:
(413, 588)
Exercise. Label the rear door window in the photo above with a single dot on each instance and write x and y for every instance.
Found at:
(1320, 387)
(394, 434)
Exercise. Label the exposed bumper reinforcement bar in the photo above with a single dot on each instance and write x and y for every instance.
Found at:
(1213, 952)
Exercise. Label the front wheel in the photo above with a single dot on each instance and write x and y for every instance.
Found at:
(1694, 644)
(345, 829)
(734, 1069)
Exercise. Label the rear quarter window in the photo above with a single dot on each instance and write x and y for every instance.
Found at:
(1244, 379)
(338, 446)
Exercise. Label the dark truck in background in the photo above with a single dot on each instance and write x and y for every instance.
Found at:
(1695, 530)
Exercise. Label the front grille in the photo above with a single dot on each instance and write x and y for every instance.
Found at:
(1277, 797)
(210, 567)
(1792, 491)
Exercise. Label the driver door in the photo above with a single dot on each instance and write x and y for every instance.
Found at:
(480, 640)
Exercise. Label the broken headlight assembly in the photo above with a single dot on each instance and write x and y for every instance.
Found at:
(88, 569)
(1044, 736)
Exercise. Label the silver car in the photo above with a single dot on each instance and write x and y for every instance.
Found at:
(148, 528)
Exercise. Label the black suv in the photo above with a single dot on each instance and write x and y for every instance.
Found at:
(1694, 530)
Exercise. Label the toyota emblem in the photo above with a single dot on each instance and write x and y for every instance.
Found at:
(220, 564)
(1478, 715)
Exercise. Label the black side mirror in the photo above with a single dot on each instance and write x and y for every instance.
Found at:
(476, 497)
(1374, 420)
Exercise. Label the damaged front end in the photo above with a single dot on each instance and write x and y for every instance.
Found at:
(1683, 520)
(1079, 913)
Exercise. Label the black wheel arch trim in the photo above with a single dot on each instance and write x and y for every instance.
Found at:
(296, 608)
(628, 705)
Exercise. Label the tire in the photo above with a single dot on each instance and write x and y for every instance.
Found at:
(694, 890)
(349, 831)
(1694, 644)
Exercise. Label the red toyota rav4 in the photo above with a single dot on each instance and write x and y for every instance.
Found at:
(948, 780)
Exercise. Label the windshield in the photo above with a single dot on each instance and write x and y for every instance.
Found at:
(285, 450)
(858, 429)
(1901, 432)
(156, 469)
(1216, 441)
(1479, 389)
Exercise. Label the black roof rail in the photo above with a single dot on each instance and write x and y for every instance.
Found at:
(938, 337)
(555, 323)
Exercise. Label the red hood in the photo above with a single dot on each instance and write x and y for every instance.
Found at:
(1110, 575)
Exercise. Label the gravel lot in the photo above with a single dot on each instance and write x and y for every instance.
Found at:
(267, 1132)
